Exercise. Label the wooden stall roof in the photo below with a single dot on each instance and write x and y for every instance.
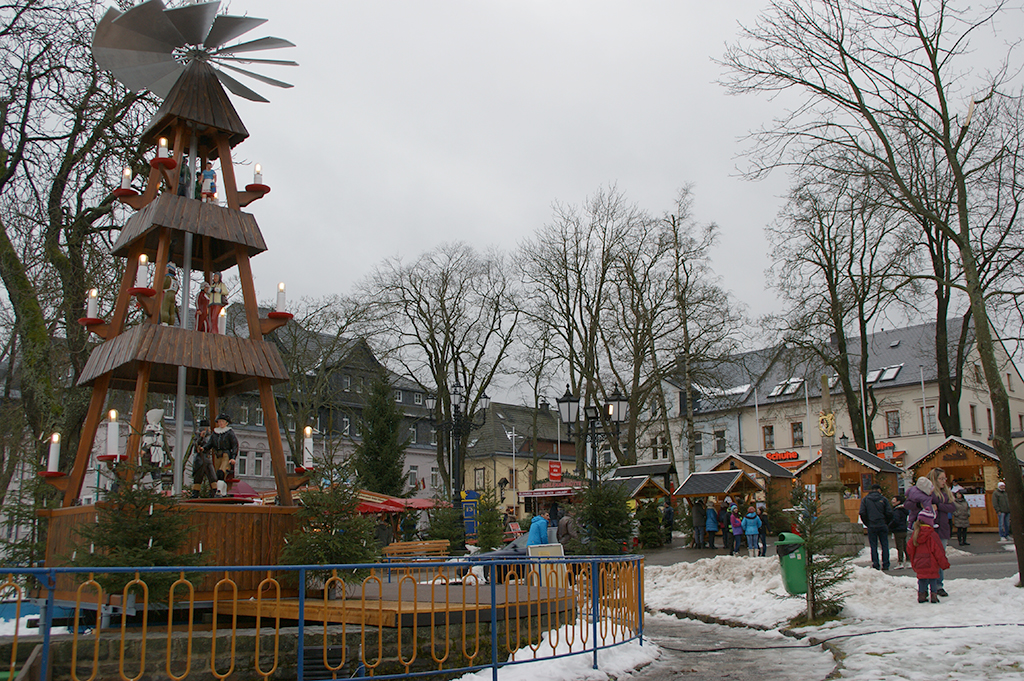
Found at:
(225, 227)
(762, 464)
(953, 443)
(861, 456)
(199, 99)
(640, 486)
(716, 483)
(237, 362)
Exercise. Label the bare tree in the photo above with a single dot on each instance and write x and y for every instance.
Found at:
(448, 317)
(66, 130)
(878, 79)
(840, 261)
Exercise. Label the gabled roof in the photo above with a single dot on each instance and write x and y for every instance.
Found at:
(761, 464)
(495, 437)
(652, 469)
(636, 484)
(861, 456)
(714, 483)
(982, 448)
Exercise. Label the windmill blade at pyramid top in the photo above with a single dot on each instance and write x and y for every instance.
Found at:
(148, 46)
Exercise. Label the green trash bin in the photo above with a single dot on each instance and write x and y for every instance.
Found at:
(793, 561)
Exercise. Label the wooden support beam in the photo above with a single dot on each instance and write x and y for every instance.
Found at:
(163, 249)
(277, 462)
(252, 309)
(227, 171)
(89, 427)
(138, 421)
(116, 324)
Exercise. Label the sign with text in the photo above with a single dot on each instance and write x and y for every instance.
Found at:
(555, 471)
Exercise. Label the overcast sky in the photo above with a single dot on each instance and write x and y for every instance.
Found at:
(414, 123)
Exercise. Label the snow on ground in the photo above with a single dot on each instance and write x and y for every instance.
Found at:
(749, 590)
(617, 662)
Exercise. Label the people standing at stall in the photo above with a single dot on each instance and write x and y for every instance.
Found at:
(1001, 504)
(898, 527)
(736, 523)
(699, 517)
(751, 525)
(876, 514)
(668, 518)
(762, 532)
(961, 518)
(711, 525)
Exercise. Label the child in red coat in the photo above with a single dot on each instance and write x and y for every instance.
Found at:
(927, 556)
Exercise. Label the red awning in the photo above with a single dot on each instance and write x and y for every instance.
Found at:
(417, 503)
(372, 507)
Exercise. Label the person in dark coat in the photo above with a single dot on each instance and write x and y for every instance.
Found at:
(763, 531)
(876, 514)
(711, 525)
(898, 527)
(668, 517)
(699, 515)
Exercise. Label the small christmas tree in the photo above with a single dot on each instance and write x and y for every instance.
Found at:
(490, 527)
(380, 455)
(136, 525)
(605, 525)
(446, 523)
(826, 571)
(330, 529)
(650, 534)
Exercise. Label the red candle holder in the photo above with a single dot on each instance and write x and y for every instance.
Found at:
(89, 321)
(122, 192)
(108, 458)
(167, 163)
(303, 469)
(257, 188)
(51, 474)
(142, 291)
(279, 315)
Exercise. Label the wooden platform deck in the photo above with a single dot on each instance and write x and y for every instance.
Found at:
(391, 605)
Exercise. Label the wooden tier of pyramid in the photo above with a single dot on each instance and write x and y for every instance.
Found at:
(197, 116)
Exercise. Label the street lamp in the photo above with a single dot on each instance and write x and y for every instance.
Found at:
(615, 411)
(461, 425)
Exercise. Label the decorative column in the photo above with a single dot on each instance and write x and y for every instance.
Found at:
(830, 490)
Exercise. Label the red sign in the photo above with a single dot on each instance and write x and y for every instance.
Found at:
(555, 471)
(782, 456)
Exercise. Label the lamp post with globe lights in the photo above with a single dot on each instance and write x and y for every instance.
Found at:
(614, 412)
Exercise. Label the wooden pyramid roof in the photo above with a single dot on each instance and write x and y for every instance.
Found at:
(198, 98)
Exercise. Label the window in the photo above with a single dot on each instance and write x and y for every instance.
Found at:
(768, 436)
(698, 443)
(928, 421)
(433, 436)
(892, 424)
(973, 409)
(202, 412)
(978, 376)
(414, 476)
(169, 408)
(289, 466)
(1020, 417)
(793, 385)
(659, 447)
(243, 463)
(412, 435)
(243, 414)
(346, 382)
(257, 464)
(417, 398)
(873, 376)
(259, 416)
(435, 477)
(479, 478)
(398, 396)
(890, 373)
(290, 423)
(360, 383)
(720, 442)
(346, 426)
(798, 433)
(1009, 381)
(512, 476)
(777, 390)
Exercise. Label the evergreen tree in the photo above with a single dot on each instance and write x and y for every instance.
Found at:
(604, 521)
(826, 571)
(446, 523)
(136, 525)
(380, 456)
(330, 530)
(490, 527)
(651, 535)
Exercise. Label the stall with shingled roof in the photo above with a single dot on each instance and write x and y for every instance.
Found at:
(858, 470)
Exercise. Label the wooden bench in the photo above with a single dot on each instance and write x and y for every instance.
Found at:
(431, 550)
(403, 550)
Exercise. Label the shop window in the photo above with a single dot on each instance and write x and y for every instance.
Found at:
(797, 429)
(768, 436)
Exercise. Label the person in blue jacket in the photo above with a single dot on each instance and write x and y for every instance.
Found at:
(711, 525)
(538, 530)
(751, 525)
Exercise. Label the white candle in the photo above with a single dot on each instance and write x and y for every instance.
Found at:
(150, 542)
(151, 509)
(126, 178)
(74, 554)
(280, 297)
(257, 175)
(307, 448)
(53, 462)
(222, 321)
(161, 150)
(92, 304)
(113, 433)
(142, 275)
(200, 547)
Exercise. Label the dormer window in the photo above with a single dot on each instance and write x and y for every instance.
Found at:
(890, 372)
